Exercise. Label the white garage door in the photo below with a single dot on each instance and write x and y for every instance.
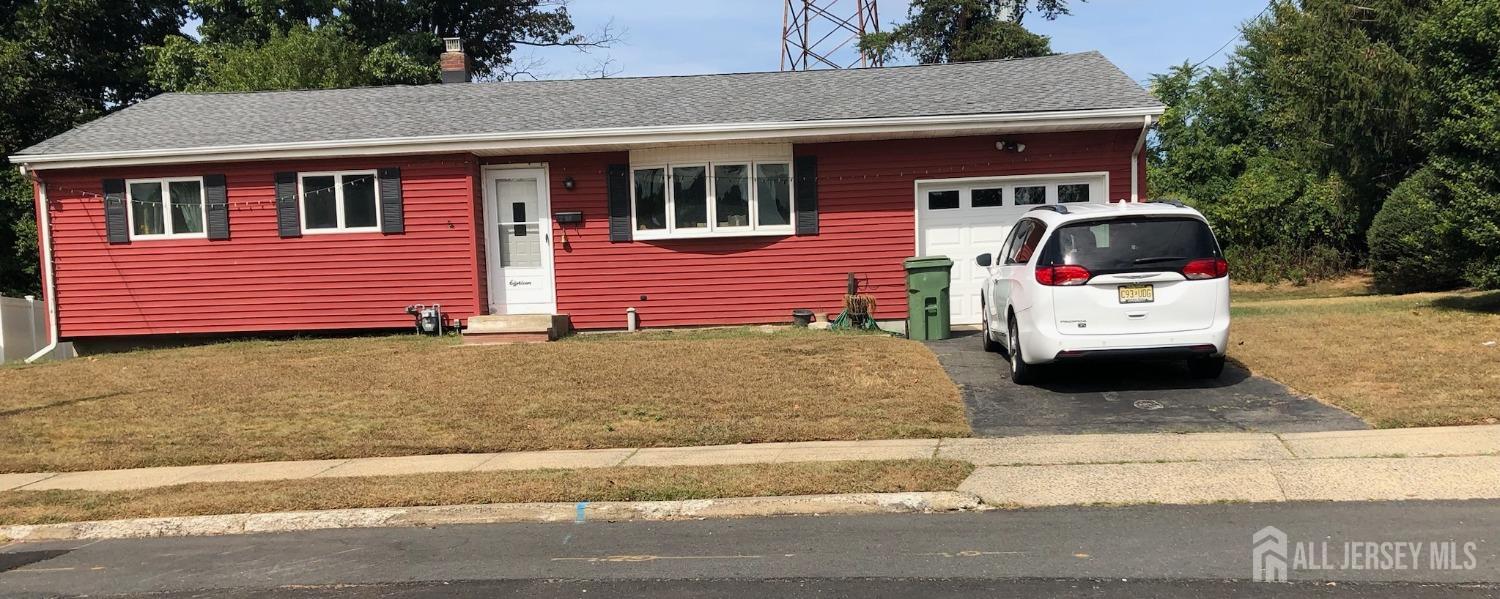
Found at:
(964, 218)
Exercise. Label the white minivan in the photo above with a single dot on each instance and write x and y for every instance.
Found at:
(1107, 281)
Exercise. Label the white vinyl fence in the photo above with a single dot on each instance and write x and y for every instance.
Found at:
(23, 327)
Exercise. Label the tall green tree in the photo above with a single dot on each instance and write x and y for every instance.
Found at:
(938, 31)
(300, 58)
(1295, 143)
(62, 63)
(291, 44)
(1458, 50)
(1213, 126)
(491, 30)
(255, 21)
(1344, 91)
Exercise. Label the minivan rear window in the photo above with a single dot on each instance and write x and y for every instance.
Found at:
(1132, 244)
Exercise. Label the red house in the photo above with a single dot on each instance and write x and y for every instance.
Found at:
(711, 199)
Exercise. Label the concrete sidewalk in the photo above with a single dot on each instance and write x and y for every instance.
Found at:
(1437, 463)
(1034, 470)
(759, 453)
(1368, 465)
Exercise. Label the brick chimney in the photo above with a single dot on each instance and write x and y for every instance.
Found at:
(454, 63)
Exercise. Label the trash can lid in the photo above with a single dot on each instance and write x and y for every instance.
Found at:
(927, 262)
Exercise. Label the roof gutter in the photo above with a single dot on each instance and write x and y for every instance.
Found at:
(596, 139)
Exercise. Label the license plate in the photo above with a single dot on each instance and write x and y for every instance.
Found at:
(1137, 294)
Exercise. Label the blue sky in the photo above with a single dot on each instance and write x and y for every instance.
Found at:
(678, 37)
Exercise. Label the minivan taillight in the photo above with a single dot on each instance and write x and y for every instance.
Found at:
(1207, 268)
(1063, 275)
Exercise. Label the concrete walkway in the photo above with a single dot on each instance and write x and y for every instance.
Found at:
(1431, 463)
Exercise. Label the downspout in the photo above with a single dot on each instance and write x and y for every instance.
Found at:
(1135, 161)
(49, 278)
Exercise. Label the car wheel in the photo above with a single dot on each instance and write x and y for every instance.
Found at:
(1021, 373)
(990, 345)
(1206, 368)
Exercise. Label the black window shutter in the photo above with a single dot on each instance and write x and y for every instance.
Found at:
(392, 214)
(805, 177)
(619, 201)
(216, 199)
(288, 221)
(116, 222)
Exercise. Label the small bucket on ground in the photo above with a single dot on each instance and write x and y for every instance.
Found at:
(802, 318)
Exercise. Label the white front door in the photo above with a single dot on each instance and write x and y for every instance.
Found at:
(963, 218)
(518, 240)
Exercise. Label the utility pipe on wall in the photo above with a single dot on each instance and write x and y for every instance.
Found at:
(1135, 161)
(49, 279)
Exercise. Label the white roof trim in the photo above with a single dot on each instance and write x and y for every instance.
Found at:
(594, 139)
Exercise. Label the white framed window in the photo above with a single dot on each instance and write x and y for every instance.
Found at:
(339, 202)
(943, 199)
(169, 208)
(712, 199)
(1073, 193)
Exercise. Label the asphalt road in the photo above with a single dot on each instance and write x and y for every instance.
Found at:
(903, 588)
(1146, 550)
(1125, 397)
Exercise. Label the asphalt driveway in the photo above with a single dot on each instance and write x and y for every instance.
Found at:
(1126, 397)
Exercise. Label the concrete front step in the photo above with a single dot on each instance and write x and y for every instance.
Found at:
(515, 328)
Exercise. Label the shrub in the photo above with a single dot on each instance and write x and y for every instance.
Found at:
(1275, 206)
(1411, 247)
(1471, 204)
(1278, 224)
(1297, 265)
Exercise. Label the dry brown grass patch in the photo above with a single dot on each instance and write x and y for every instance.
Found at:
(1360, 283)
(407, 395)
(1396, 361)
(604, 484)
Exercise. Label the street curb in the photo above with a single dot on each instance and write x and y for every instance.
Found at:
(609, 511)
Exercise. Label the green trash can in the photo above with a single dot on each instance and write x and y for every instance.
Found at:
(927, 281)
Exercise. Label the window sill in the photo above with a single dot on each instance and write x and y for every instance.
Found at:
(166, 237)
(338, 231)
(662, 235)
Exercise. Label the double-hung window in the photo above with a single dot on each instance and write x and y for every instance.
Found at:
(712, 199)
(165, 208)
(341, 202)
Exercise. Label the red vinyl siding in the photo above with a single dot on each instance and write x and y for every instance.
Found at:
(257, 281)
(866, 201)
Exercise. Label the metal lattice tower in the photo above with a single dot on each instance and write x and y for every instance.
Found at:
(819, 34)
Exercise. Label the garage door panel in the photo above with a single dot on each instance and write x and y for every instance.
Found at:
(955, 221)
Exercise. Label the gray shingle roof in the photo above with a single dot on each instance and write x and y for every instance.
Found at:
(1084, 81)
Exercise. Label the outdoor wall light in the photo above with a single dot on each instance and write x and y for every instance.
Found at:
(569, 183)
(1010, 145)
